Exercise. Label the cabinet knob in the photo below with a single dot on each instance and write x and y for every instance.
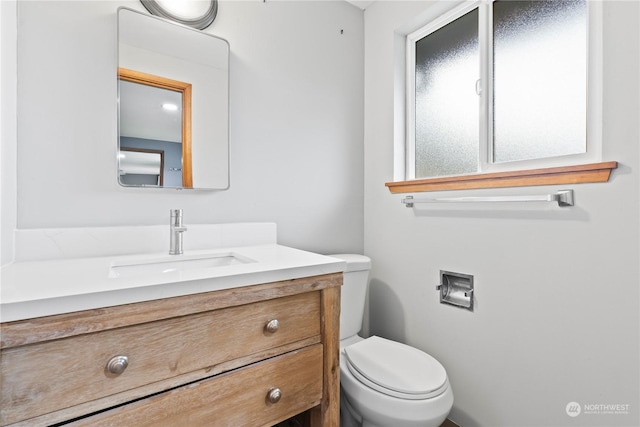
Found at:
(274, 395)
(272, 326)
(117, 364)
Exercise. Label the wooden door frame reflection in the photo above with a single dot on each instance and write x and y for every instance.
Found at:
(185, 90)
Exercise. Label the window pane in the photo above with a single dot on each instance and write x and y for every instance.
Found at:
(540, 63)
(447, 106)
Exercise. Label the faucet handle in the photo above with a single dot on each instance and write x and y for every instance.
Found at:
(176, 218)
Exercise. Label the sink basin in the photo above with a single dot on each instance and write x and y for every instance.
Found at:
(174, 263)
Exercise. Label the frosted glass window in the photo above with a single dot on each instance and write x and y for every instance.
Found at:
(446, 104)
(539, 78)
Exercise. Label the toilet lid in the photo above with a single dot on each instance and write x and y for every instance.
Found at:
(396, 369)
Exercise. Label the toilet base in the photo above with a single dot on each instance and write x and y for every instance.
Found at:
(348, 417)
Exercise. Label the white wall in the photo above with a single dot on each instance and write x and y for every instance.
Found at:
(557, 314)
(7, 128)
(296, 122)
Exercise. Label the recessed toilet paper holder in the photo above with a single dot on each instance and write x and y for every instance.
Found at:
(456, 289)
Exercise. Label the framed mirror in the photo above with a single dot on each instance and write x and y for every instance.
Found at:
(173, 97)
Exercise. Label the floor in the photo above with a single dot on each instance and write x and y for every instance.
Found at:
(293, 422)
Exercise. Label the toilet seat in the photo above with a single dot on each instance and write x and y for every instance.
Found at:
(396, 369)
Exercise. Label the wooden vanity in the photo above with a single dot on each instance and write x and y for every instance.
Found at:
(247, 356)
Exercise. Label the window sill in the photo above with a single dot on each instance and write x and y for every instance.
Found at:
(580, 174)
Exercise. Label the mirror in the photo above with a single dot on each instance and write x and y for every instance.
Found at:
(173, 98)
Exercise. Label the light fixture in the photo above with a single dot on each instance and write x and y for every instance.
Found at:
(170, 107)
(197, 14)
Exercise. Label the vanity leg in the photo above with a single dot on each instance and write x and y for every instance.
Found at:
(327, 414)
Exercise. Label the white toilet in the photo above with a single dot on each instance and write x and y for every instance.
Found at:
(384, 383)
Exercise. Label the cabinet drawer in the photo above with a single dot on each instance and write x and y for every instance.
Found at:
(235, 399)
(49, 376)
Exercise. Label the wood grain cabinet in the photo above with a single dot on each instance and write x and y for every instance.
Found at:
(252, 356)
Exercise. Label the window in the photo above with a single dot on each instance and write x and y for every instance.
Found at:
(539, 79)
(447, 108)
(496, 86)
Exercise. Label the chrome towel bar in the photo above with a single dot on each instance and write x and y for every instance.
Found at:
(562, 197)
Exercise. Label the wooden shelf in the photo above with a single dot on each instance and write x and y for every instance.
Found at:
(580, 174)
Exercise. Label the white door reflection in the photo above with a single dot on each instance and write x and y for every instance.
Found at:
(141, 167)
(146, 124)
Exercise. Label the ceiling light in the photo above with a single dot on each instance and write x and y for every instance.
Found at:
(170, 107)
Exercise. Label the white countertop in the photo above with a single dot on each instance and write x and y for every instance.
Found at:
(41, 288)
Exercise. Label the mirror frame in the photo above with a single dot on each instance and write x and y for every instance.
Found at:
(198, 22)
(176, 86)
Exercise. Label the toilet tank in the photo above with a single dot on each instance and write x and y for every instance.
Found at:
(353, 293)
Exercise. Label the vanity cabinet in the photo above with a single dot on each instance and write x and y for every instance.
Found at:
(250, 356)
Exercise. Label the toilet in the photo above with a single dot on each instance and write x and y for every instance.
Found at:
(384, 383)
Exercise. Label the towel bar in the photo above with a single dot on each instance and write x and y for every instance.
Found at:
(562, 197)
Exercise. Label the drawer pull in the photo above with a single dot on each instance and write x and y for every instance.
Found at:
(117, 364)
(272, 326)
(274, 395)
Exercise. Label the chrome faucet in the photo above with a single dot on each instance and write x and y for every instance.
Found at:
(176, 230)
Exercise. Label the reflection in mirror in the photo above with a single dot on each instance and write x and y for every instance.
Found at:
(159, 59)
(156, 112)
(141, 167)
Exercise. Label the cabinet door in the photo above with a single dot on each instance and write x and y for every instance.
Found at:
(261, 394)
